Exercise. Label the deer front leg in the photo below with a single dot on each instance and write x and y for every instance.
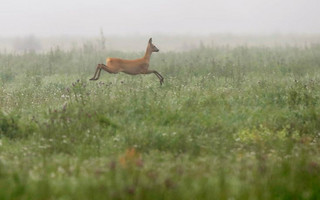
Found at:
(156, 73)
(98, 71)
(159, 76)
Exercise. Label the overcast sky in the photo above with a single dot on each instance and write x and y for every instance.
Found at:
(86, 17)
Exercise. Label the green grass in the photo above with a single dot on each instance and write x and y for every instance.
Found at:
(228, 123)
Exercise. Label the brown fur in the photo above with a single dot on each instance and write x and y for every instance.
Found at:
(132, 67)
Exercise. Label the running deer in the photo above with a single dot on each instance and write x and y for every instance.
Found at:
(132, 67)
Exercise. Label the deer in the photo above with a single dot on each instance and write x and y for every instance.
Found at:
(132, 67)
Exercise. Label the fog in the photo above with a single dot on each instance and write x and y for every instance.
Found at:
(145, 17)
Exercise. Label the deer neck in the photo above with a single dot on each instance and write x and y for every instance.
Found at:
(147, 55)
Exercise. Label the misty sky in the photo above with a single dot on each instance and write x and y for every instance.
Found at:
(86, 17)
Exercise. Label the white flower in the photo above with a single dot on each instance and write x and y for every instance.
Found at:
(44, 146)
(61, 170)
(116, 139)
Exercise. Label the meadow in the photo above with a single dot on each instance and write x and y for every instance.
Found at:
(240, 122)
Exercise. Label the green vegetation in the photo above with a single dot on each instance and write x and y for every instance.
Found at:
(228, 123)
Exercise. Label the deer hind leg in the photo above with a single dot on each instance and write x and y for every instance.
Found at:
(95, 74)
(98, 71)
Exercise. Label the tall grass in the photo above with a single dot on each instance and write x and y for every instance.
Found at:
(229, 123)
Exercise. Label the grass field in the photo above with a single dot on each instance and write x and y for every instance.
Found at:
(228, 123)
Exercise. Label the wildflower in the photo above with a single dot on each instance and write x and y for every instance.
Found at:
(313, 168)
(44, 146)
(130, 190)
(112, 165)
(64, 107)
(116, 139)
(169, 183)
(61, 170)
(131, 158)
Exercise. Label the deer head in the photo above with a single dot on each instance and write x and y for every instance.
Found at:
(152, 47)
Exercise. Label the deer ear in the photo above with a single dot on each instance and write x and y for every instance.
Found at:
(150, 40)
